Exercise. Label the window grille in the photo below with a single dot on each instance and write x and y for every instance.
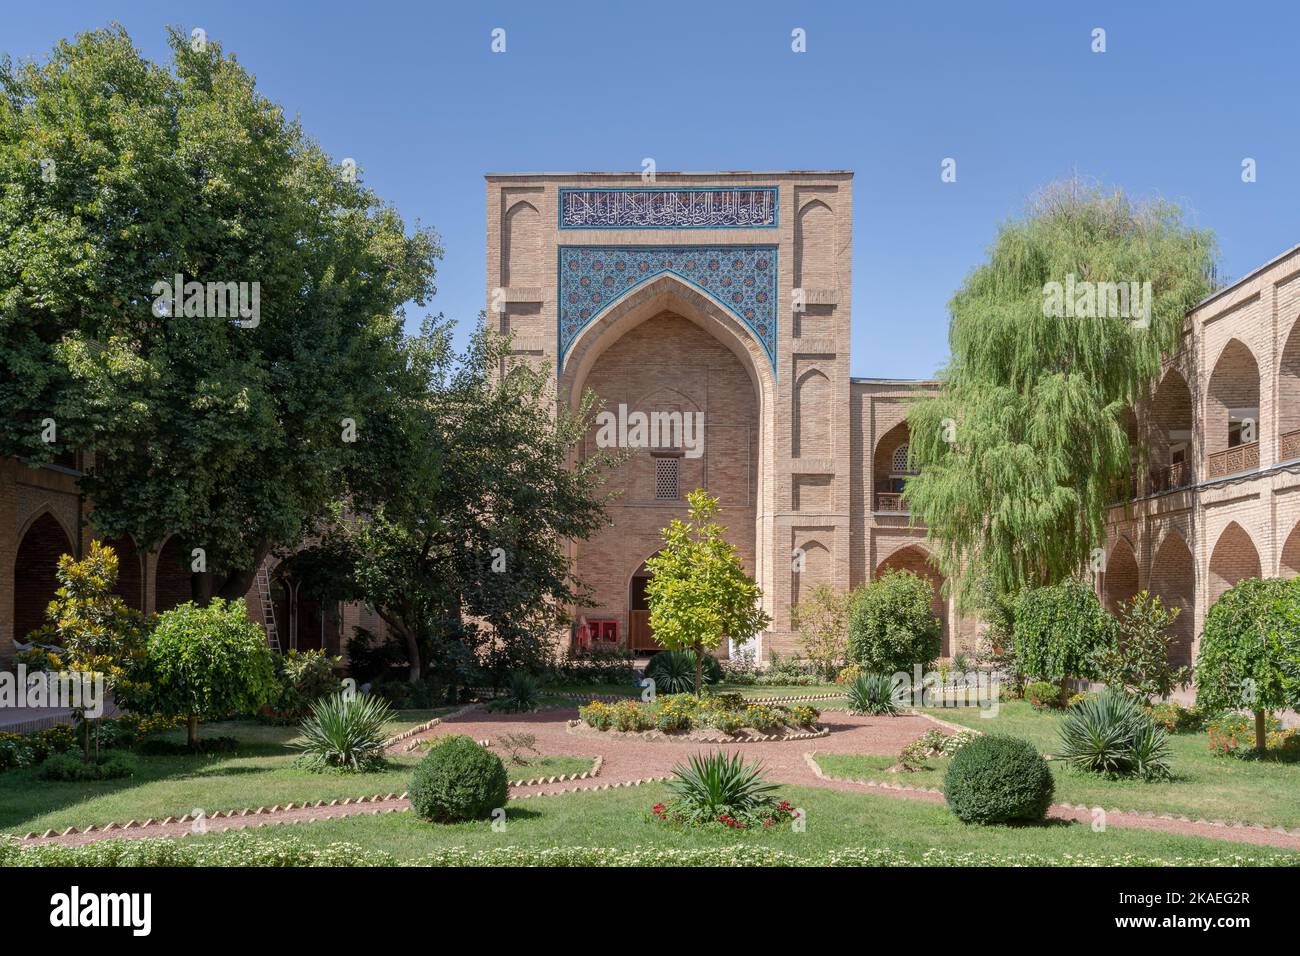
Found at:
(666, 475)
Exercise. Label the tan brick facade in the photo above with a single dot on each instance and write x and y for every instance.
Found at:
(791, 439)
(1227, 408)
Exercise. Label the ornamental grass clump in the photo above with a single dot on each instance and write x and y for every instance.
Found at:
(1110, 734)
(345, 734)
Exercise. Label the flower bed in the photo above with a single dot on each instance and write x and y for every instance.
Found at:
(686, 715)
(763, 818)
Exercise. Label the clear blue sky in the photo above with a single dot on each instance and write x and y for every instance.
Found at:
(1011, 90)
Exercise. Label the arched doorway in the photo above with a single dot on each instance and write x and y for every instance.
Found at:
(1120, 582)
(1288, 398)
(916, 559)
(1173, 580)
(1234, 559)
(641, 638)
(1232, 423)
(1171, 434)
(130, 573)
(891, 469)
(172, 576)
(1291, 554)
(36, 572)
(667, 349)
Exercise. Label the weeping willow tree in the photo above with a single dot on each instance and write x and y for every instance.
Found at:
(1053, 340)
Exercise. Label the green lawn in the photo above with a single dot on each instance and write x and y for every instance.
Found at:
(260, 773)
(835, 821)
(1204, 785)
(547, 767)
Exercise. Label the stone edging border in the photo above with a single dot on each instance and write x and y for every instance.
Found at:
(571, 726)
(564, 777)
(216, 815)
(605, 786)
(811, 759)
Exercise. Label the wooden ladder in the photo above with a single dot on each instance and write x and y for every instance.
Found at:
(263, 580)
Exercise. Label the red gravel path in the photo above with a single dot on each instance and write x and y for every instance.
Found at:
(628, 760)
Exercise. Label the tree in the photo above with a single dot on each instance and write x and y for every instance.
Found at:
(459, 541)
(699, 592)
(1250, 651)
(1139, 662)
(821, 620)
(228, 429)
(1060, 631)
(205, 662)
(892, 624)
(100, 634)
(1019, 453)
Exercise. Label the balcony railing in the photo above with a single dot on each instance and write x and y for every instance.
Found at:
(1232, 461)
(1169, 478)
(1289, 446)
(890, 501)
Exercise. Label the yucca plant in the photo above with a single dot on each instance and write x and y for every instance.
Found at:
(872, 694)
(1110, 734)
(709, 785)
(522, 693)
(674, 671)
(345, 733)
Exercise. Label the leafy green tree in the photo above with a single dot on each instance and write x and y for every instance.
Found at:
(100, 634)
(1250, 651)
(206, 662)
(699, 592)
(1060, 631)
(892, 624)
(117, 174)
(1140, 662)
(1021, 449)
(459, 540)
(821, 621)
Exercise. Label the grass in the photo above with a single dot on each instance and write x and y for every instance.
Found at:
(835, 820)
(548, 767)
(260, 773)
(1205, 786)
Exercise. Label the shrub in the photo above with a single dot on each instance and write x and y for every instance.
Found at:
(204, 662)
(953, 743)
(1250, 651)
(597, 714)
(71, 768)
(674, 671)
(804, 716)
(711, 785)
(1042, 695)
(600, 665)
(457, 781)
(369, 656)
(675, 712)
(872, 694)
(522, 693)
(1059, 631)
(820, 620)
(998, 779)
(848, 674)
(345, 733)
(16, 750)
(406, 695)
(1111, 735)
(303, 677)
(1175, 718)
(629, 716)
(1234, 735)
(1139, 661)
(892, 624)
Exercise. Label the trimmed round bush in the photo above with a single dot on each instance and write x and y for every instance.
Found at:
(457, 781)
(998, 779)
